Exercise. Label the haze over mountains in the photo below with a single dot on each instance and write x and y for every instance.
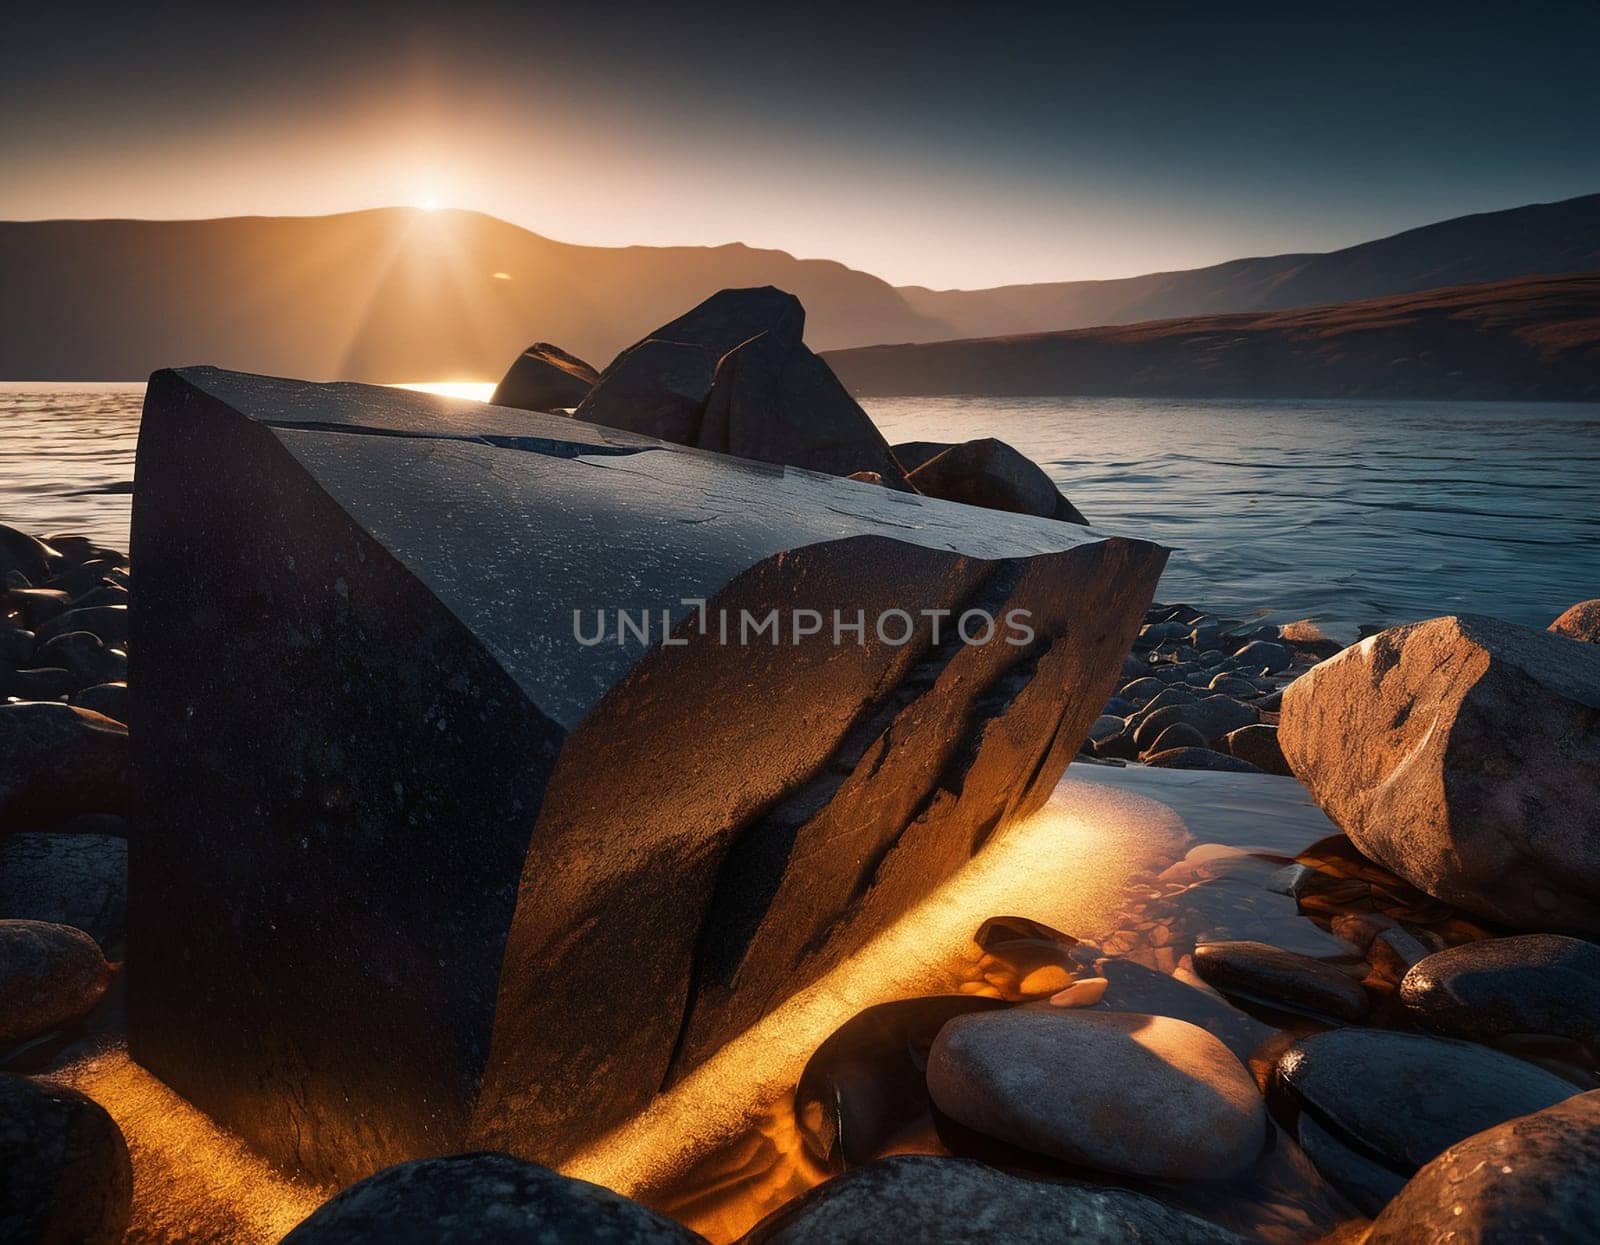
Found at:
(400, 294)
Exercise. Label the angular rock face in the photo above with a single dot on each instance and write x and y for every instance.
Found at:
(732, 375)
(992, 474)
(545, 378)
(1464, 754)
(448, 876)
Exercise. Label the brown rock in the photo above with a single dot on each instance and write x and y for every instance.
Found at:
(992, 474)
(1258, 744)
(1581, 622)
(1463, 753)
(50, 975)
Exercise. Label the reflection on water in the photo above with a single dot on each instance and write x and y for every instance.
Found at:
(66, 457)
(1347, 512)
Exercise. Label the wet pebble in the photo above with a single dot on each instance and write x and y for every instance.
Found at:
(1258, 744)
(50, 975)
(1119, 1092)
(1534, 984)
(1402, 1098)
(1261, 973)
(1199, 758)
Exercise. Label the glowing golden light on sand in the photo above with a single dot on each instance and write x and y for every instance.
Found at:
(501, 276)
(193, 1180)
(721, 1150)
(472, 390)
(1067, 866)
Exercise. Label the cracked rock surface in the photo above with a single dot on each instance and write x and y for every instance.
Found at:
(452, 878)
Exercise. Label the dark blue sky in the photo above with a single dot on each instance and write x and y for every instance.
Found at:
(943, 145)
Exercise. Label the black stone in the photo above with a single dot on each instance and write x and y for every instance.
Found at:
(64, 1171)
(1261, 973)
(1401, 1098)
(494, 886)
(57, 761)
(23, 553)
(108, 699)
(865, 1087)
(68, 879)
(545, 378)
(86, 656)
(1531, 1179)
(1530, 984)
(482, 1199)
(1368, 1185)
(733, 375)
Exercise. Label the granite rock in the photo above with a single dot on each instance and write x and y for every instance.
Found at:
(1463, 753)
(1580, 622)
(498, 885)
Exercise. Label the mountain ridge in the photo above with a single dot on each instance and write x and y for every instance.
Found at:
(402, 294)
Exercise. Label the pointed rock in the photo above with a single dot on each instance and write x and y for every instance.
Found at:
(545, 378)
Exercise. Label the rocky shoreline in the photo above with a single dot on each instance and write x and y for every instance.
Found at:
(1099, 1086)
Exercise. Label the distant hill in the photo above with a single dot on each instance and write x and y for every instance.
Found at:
(1543, 238)
(393, 294)
(1536, 337)
(402, 294)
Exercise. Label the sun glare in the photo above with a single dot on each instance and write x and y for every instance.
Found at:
(474, 390)
(428, 205)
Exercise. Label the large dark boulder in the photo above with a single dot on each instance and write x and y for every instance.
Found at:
(1462, 753)
(545, 378)
(940, 1201)
(65, 1178)
(57, 761)
(482, 1199)
(992, 474)
(733, 375)
(492, 884)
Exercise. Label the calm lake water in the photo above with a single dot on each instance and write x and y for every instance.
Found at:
(1346, 512)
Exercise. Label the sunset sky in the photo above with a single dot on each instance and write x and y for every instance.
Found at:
(943, 145)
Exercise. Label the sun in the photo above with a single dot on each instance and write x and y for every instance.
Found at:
(429, 204)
